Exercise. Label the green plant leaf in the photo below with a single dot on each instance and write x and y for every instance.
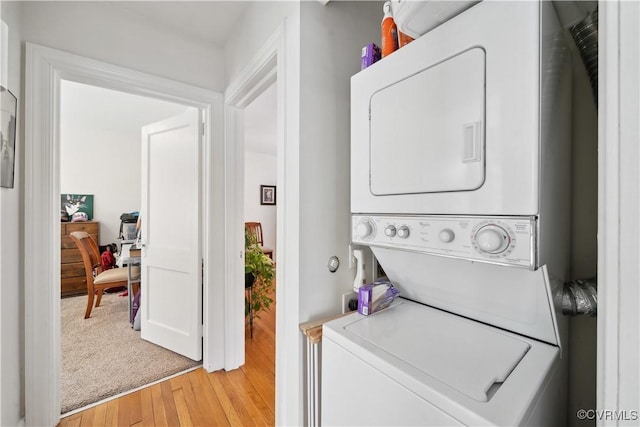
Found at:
(262, 267)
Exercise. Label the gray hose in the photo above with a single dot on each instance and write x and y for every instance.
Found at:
(585, 34)
(581, 19)
(579, 297)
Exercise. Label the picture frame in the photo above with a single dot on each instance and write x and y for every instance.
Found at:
(74, 203)
(8, 117)
(267, 194)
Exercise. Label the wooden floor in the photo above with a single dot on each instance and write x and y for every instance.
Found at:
(243, 397)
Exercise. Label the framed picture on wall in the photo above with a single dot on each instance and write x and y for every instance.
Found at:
(74, 203)
(8, 107)
(267, 194)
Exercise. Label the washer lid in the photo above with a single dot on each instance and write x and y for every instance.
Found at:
(468, 356)
(514, 299)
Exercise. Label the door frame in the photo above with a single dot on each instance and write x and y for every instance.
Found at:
(618, 211)
(45, 68)
(277, 59)
(260, 74)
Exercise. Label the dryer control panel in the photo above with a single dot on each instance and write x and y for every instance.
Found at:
(497, 240)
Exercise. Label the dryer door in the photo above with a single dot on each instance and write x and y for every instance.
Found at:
(426, 131)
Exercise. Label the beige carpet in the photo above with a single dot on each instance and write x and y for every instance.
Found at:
(103, 356)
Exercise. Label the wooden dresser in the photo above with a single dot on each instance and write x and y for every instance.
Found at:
(73, 280)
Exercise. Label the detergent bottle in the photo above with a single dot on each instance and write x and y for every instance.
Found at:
(360, 273)
(403, 39)
(389, 31)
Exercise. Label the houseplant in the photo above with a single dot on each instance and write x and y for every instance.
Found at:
(259, 272)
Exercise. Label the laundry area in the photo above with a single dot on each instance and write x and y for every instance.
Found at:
(450, 207)
(461, 190)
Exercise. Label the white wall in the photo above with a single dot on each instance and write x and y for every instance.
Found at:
(260, 169)
(260, 21)
(100, 150)
(332, 37)
(12, 245)
(110, 33)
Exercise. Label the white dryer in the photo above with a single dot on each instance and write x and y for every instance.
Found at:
(473, 118)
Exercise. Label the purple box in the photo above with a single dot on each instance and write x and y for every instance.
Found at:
(370, 55)
(370, 301)
(364, 299)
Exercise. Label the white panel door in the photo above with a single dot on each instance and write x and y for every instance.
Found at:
(171, 298)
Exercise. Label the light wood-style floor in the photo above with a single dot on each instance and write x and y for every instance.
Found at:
(243, 397)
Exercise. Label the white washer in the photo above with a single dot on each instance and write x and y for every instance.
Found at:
(417, 365)
(470, 343)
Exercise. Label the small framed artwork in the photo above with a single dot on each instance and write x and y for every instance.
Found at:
(267, 194)
(77, 203)
(8, 111)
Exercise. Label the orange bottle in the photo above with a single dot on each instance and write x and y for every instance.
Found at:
(403, 39)
(389, 31)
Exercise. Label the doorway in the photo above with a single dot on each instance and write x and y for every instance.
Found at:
(272, 63)
(45, 69)
(260, 191)
(101, 159)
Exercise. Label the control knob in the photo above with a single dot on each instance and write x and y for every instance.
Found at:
(365, 229)
(492, 239)
(446, 235)
(390, 231)
(403, 232)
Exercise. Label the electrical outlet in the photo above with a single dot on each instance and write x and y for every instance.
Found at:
(345, 301)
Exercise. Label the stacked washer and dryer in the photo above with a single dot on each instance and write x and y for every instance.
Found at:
(460, 186)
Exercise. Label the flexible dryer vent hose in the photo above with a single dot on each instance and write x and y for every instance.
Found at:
(585, 35)
(579, 297)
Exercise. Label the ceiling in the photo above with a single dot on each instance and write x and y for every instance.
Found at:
(207, 21)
